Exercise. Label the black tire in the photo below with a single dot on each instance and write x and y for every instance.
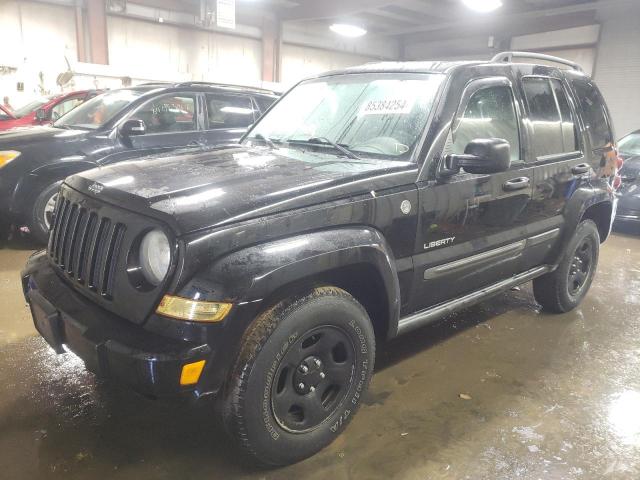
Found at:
(563, 289)
(266, 377)
(37, 224)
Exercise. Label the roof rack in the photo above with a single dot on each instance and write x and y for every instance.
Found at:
(228, 85)
(149, 84)
(508, 57)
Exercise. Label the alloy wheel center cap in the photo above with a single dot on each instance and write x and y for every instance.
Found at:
(308, 375)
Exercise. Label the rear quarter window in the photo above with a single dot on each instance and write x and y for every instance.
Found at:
(594, 113)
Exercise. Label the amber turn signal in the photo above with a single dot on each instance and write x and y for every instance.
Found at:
(191, 372)
(192, 310)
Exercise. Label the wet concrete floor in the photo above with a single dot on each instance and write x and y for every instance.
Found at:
(545, 397)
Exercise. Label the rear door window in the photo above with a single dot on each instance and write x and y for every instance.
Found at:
(566, 117)
(229, 111)
(550, 115)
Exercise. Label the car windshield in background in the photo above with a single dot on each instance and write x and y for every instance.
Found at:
(368, 115)
(630, 145)
(99, 110)
(31, 106)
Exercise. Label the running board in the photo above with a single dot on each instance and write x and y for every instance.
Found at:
(429, 315)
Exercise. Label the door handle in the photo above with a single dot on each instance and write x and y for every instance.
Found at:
(580, 168)
(516, 184)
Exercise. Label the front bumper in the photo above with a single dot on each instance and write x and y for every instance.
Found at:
(109, 345)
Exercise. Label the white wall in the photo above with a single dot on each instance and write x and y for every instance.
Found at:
(164, 52)
(42, 34)
(318, 35)
(299, 62)
(35, 39)
(617, 71)
(575, 44)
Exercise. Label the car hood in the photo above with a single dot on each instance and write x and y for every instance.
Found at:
(30, 137)
(15, 122)
(231, 184)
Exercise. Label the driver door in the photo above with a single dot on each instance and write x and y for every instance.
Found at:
(471, 230)
(171, 122)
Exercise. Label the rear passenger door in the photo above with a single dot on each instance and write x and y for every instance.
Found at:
(472, 227)
(556, 154)
(228, 117)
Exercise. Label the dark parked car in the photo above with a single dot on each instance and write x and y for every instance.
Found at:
(628, 211)
(45, 109)
(366, 203)
(116, 126)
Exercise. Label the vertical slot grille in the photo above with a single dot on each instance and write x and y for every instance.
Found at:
(85, 246)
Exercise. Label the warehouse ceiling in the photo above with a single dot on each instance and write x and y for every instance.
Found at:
(440, 19)
(407, 20)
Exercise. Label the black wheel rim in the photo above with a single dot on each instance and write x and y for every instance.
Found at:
(580, 268)
(313, 379)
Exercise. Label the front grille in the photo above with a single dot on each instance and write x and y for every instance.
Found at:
(85, 246)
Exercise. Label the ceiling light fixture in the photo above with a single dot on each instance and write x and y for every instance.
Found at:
(347, 30)
(483, 6)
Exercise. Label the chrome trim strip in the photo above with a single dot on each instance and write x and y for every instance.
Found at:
(429, 315)
(543, 237)
(511, 250)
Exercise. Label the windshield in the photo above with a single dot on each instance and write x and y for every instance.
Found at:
(99, 110)
(31, 106)
(370, 115)
(630, 145)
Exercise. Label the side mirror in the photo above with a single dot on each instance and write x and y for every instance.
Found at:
(41, 114)
(132, 128)
(482, 155)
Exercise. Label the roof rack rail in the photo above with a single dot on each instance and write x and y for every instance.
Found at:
(508, 57)
(146, 84)
(229, 85)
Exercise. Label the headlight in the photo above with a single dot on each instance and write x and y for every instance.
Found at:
(155, 256)
(8, 155)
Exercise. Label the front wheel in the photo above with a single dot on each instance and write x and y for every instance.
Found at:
(563, 289)
(302, 370)
(42, 213)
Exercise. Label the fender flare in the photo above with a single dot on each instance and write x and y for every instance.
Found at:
(253, 274)
(30, 184)
(581, 200)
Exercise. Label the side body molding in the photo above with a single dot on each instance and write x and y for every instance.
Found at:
(254, 273)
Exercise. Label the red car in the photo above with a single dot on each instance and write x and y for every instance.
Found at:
(44, 110)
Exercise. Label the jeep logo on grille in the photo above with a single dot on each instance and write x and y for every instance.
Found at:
(96, 188)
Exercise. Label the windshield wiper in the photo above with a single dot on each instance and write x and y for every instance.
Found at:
(326, 141)
(266, 140)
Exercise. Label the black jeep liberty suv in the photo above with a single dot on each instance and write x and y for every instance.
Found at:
(366, 203)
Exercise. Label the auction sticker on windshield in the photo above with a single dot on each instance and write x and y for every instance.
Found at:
(394, 106)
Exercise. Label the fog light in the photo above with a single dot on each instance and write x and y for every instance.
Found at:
(191, 372)
(192, 310)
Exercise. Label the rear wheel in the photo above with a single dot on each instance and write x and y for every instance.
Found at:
(563, 289)
(300, 375)
(42, 213)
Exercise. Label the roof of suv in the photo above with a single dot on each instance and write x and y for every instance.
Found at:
(205, 86)
(503, 58)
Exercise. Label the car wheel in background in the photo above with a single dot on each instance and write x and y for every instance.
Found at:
(42, 213)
